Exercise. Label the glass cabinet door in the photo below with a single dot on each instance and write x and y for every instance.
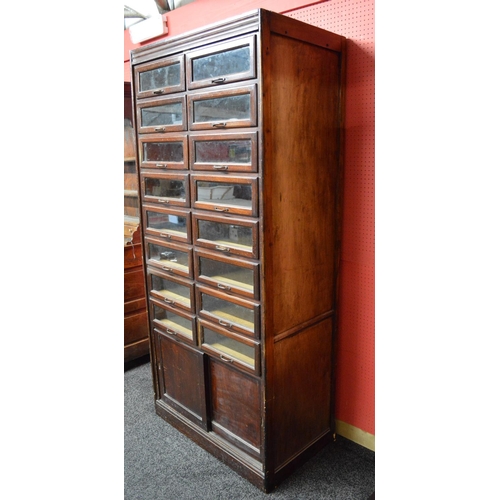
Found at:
(231, 348)
(165, 188)
(167, 223)
(168, 257)
(237, 276)
(223, 109)
(232, 313)
(235, 195)
(175, 323)
(157, 151)
(158, 78)
(161, 115)
(231, 152)
(222, 63)
(231, 236)
(175, 292)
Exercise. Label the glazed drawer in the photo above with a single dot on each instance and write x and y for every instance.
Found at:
(167, 114)
(174, 291)
(160, 77)
(168, 189)
(221, 63)
(231, 151)
(169, 257)
(174, 322)
(158, 151)
(170, 224)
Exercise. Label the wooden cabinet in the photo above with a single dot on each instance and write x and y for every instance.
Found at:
(240, 147)
(136, 341)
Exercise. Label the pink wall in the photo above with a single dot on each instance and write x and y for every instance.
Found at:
(355, 396)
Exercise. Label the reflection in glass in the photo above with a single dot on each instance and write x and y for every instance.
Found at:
(226, 233)
(166, 76)
(169, 257)
(170, 290)
(165, 188)
(172, 223)
(221, 64)
(228, 312)
(232, 151)
(231, 347)
(173, 321)
(239, 195)
(227, 274)
(163, 151)
(165, 114)
(225, 108)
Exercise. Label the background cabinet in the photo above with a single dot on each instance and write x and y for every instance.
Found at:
(242, 253)
(135, 322)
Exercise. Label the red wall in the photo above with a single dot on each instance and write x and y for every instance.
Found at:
(355, 396)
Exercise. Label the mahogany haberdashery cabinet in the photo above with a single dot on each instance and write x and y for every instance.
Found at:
(240, 150)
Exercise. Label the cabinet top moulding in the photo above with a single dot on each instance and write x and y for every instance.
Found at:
(241, 24)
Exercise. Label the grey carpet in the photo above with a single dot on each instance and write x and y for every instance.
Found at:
(162, 464)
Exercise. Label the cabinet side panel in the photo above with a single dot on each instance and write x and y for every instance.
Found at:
(299, 235)
(302, 366)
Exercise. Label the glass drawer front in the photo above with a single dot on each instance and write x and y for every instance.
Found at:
(159, 151)
(231, 108)
(230, 349)
(167, 224)
(225, 194)
(161, 116)
(158, 78)
(228, 314)
(228, 236)
(174, 293)
(228, 275)
(168, 258)
(223, 63)
(231, 153)
(173, 323)
(163, 189)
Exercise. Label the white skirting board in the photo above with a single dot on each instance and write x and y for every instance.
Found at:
(357, 435)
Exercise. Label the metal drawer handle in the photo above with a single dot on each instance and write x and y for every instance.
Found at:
(161, 165)
(168, 269)
(161, 200)
(159, 91)
(222, 249)
(222, 209)
(220, 167)
(166, 235)
(227, 325)
(227, 360)
(219, 125)
(223, 287)
(160, 129)
(171, 332)
(219, 80)
(169, 301)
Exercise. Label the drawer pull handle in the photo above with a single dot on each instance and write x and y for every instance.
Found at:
(227, 360)
(171, 332)
(220, 167)
(166, 235)
(226, 325)
(159, 91)
(223, 287)
(168, 269)
(222, 209)
(219, 125)
(222, 249)
(219, 80)
(160, 129)
(169, 301)
(161, 200)
(161, 165)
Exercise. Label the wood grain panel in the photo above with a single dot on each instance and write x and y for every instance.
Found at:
(302, 181)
